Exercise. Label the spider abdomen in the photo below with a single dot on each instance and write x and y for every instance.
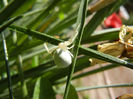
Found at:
(62, 58)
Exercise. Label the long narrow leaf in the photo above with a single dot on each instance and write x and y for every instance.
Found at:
(38, 35)
(9, 22)
(43, 89)
(80, 23)
(7, 67)
(52, 72)
(86, 51)
(87, 73)
(105, 57)
(72, 93)
(10, 9)
(43, 15)
(96, 20)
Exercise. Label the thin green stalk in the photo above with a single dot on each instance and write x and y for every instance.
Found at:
(105, 57)
(21, 76)
(7, 67)
(96, 20)
(48, 70)
(7, 11)
(105, 86)
(82, 11)
(83, 50)
(38, 35)
(99, 87)
(43, 15)
(87, 73)
(35, 61)
(9, 22)
(6, 60)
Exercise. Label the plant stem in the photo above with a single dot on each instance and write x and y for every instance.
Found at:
(7, 66)
(82, 12)
(104, 86)
(21, 76)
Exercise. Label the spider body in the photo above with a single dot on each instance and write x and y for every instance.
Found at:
(62, 56)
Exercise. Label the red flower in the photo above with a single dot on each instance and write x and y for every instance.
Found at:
(113, 21)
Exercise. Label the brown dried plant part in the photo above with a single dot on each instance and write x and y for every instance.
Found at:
(115, 49)
(129, 49)
(125, 96)
(100, 4)
(126, 38)
(122, 48)
(125, 35)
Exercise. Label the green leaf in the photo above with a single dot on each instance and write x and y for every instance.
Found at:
(51, 72)
(6, 12)
(36, 34)
(105, 57)
(9, 22)
(43, 89)
(35, 61)
(80, 24)
(71, 19)
(43, 14)
(26, 6)
(86, 51)
(72, 93)
(96, 20)
(106, 34)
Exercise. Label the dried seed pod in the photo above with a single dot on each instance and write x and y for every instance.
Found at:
(115, 49)
(123, 47)
(125, 34)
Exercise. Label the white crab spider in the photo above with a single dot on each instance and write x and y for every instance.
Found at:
(62, 56)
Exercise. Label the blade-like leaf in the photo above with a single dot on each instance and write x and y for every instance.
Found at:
(86, 51)
(43, 15)
(43, 89)
(72, 93)
(6, 12)
(52, 73)
(80, 25)
(9, 22)
(38, 35)
(26, 6)
(105, 57)
(96, 20)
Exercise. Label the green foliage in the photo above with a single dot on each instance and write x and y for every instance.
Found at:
(43, 89)
(72, 93)
(28, 24)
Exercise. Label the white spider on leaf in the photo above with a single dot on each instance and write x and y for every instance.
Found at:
(121, 48)
(61, 54)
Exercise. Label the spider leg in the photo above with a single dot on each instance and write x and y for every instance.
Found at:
(71, 40)
(70, 47)
(46, 47)
(70, 54)
(51, 50)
